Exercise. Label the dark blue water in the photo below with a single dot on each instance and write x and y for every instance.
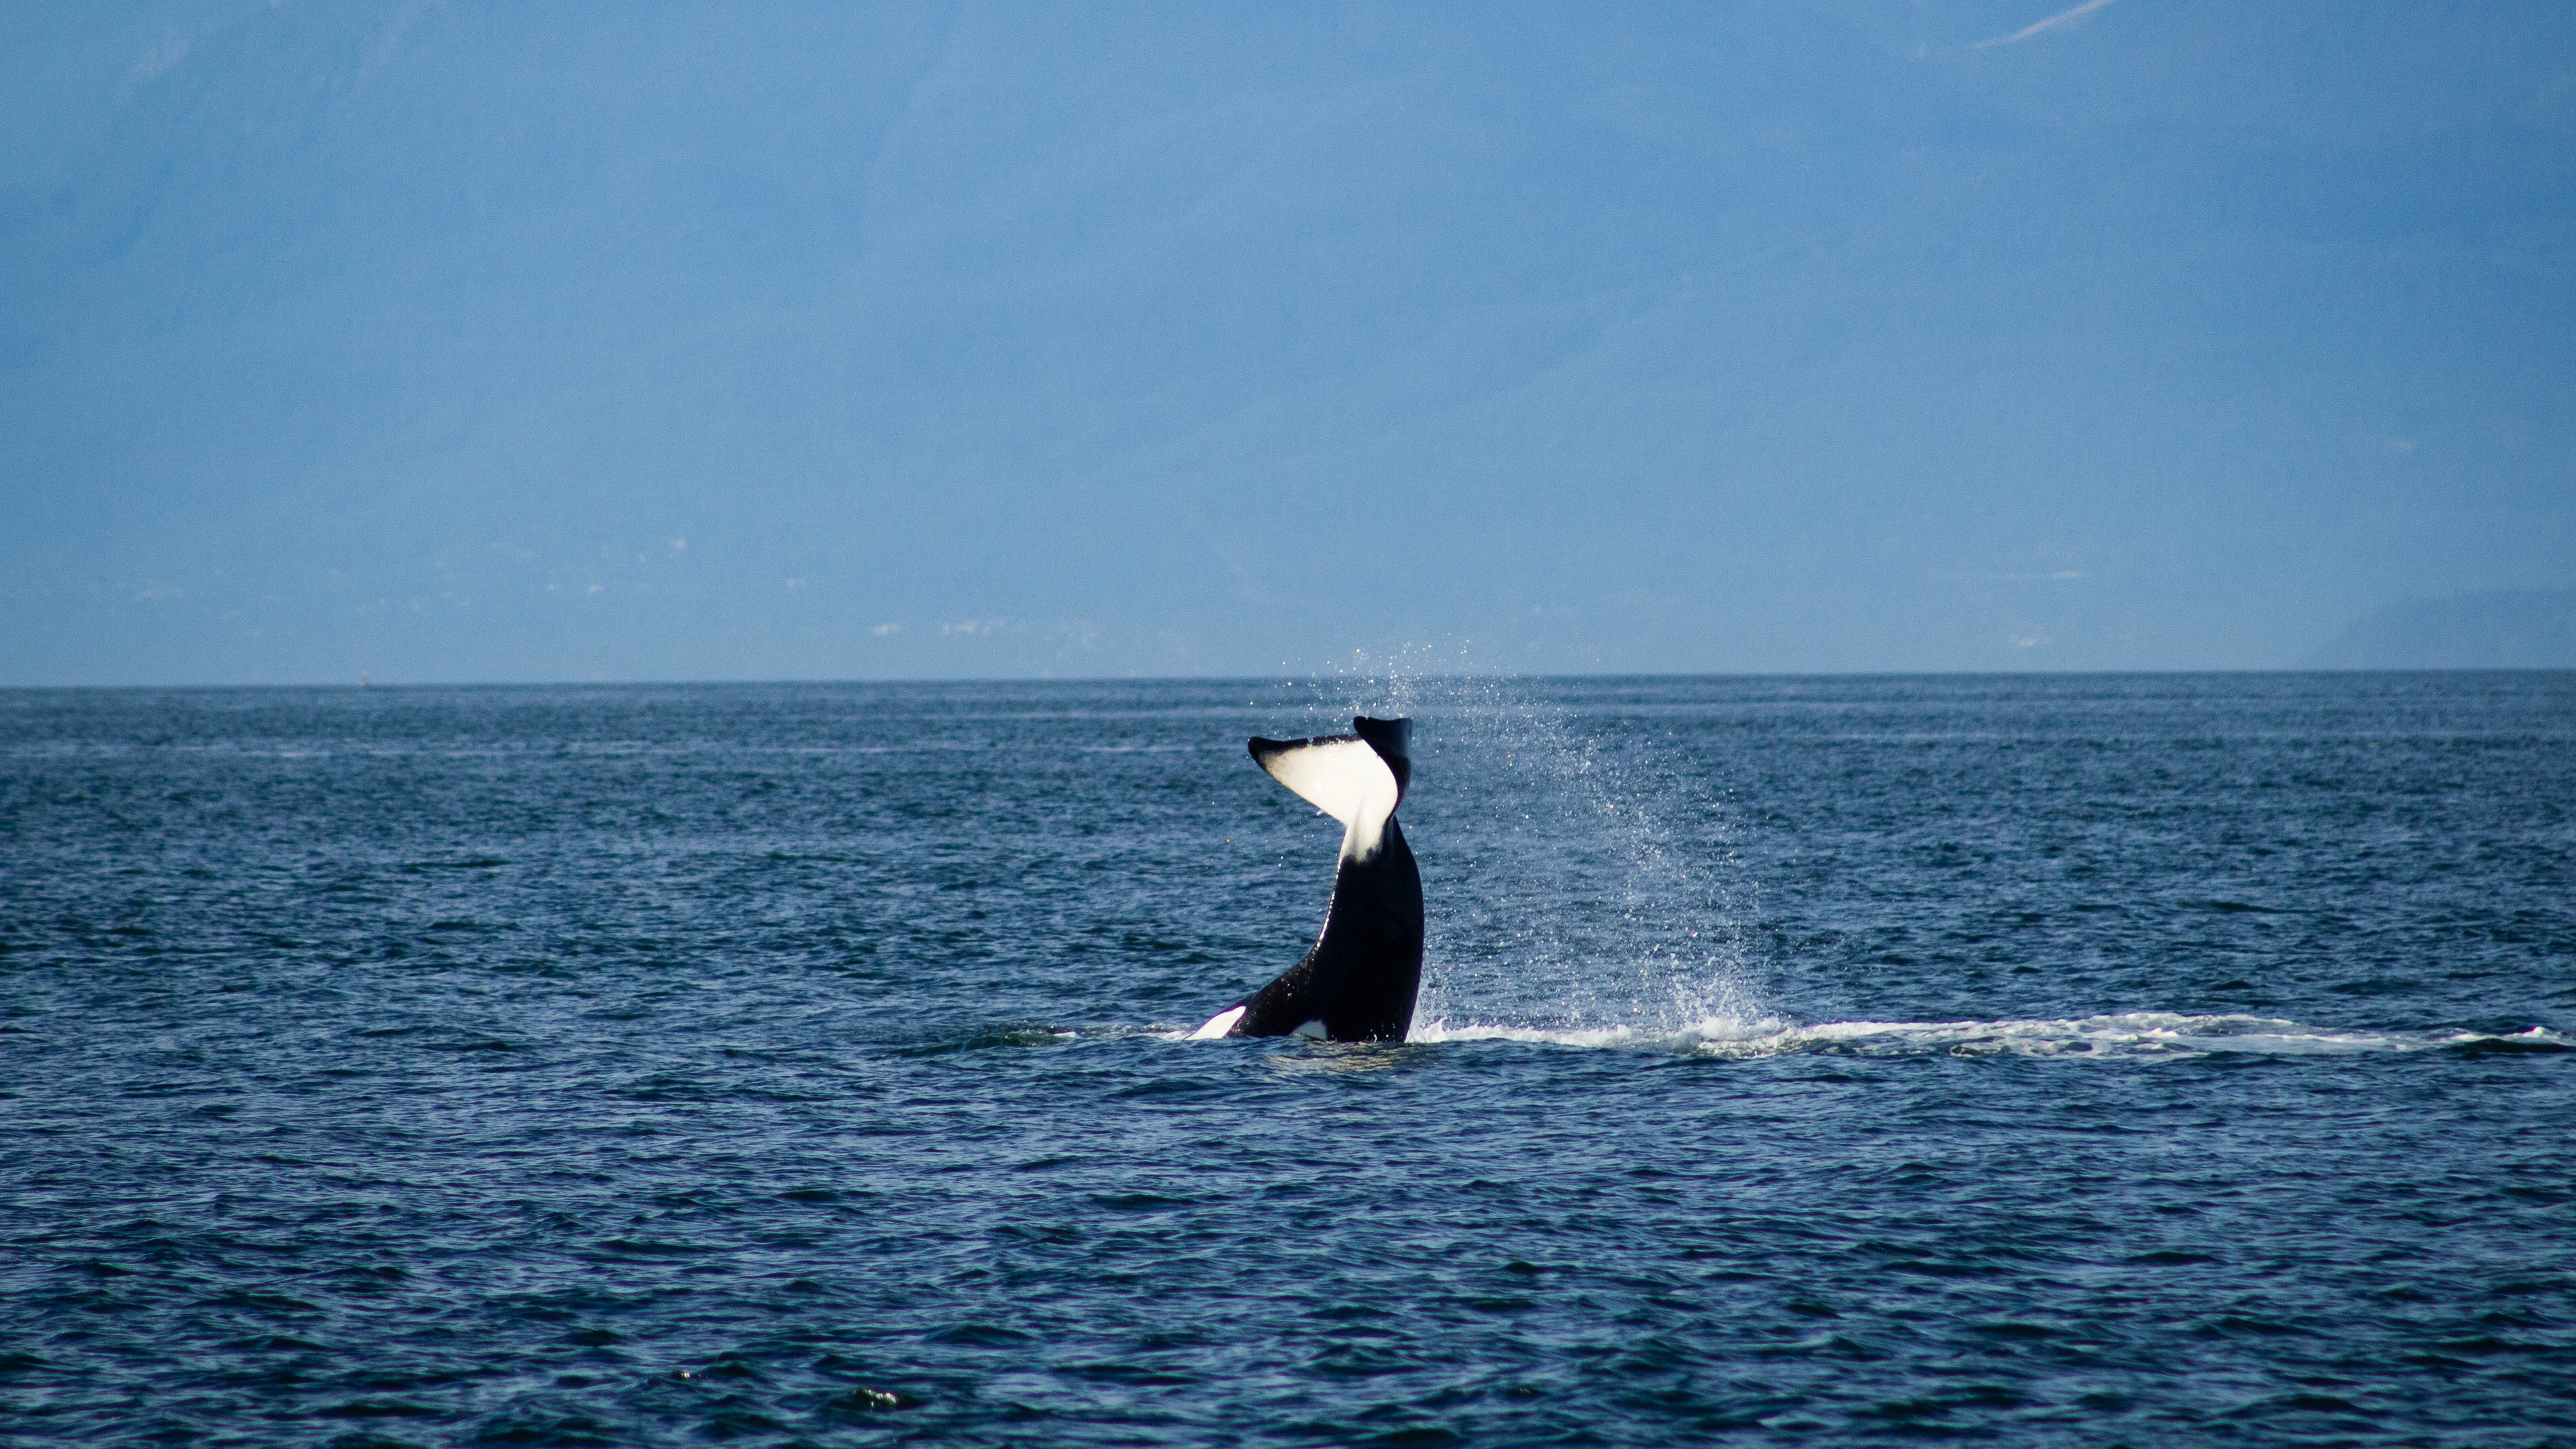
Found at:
(2073, 1060)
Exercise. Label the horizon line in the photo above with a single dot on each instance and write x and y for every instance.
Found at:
(1026, 679)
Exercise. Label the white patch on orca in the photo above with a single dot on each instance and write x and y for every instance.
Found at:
(1219, 1024)
(1311, 1030)
(1345, 779)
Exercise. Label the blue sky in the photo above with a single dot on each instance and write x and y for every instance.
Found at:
(478, 342)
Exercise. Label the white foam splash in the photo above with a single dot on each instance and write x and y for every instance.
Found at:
(2127, 1035)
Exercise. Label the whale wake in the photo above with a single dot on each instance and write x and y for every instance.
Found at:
(2132, 1035)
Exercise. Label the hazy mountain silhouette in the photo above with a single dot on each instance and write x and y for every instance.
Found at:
(2505, 629)
(482, 341)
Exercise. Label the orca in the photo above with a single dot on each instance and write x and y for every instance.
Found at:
(1359, 982)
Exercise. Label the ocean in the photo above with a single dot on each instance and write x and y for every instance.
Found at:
(2160, 1059)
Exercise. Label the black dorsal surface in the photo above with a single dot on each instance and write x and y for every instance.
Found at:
(1360, 980)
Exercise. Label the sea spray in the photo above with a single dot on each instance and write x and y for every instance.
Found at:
(1578, 875)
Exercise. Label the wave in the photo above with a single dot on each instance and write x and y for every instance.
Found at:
(2126, 1035)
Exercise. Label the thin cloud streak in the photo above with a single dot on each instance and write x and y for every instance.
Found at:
(2058, 21)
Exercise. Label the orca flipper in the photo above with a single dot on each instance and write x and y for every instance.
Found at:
(1360, 980)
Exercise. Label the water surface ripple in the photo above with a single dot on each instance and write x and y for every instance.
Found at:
(2155, 1060)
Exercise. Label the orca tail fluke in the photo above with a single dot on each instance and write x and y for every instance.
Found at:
(1360, 980)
